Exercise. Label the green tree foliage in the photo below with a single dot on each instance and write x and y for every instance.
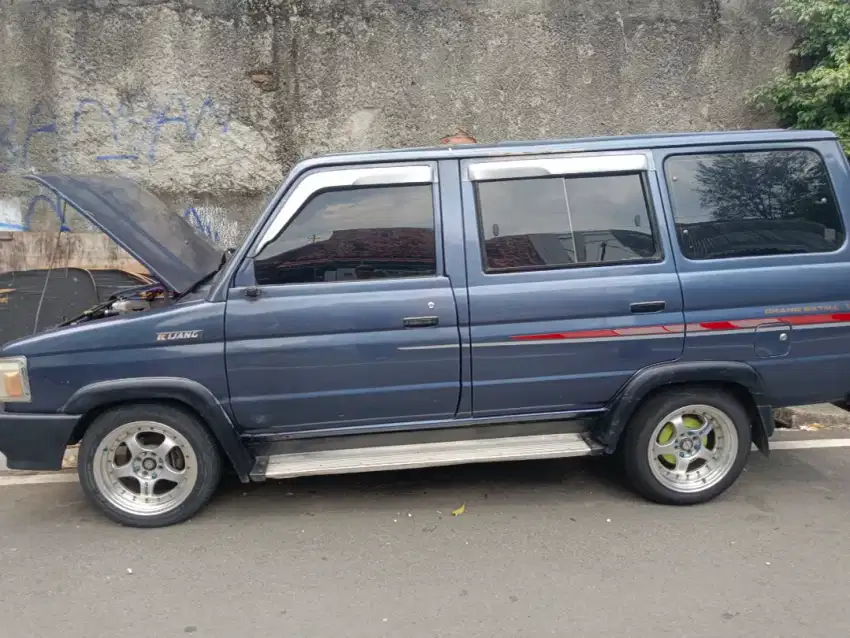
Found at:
(817, 97)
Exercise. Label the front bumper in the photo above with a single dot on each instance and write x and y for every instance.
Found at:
(35, 441)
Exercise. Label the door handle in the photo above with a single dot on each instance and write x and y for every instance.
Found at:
(420, 322)
(647, 306)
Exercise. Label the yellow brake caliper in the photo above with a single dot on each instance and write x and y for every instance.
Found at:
(669, 431)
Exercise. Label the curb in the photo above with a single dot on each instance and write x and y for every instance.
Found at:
(69, 460)
(813, 417)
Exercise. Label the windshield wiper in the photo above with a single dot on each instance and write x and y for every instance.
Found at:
(206, 278)
(197, 284)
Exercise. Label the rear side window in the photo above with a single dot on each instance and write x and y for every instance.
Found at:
(556, 222)
(747, 204)
(343, 235)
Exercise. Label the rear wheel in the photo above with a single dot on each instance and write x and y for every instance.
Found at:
(148, 465)
(687, 446)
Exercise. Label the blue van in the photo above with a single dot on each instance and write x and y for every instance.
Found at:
(648, 296)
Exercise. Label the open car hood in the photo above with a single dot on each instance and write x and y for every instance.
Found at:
(141, 224)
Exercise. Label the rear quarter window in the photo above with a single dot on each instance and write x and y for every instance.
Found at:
(747, 204)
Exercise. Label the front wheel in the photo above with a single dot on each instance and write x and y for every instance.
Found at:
(687, 446)
(148, 465)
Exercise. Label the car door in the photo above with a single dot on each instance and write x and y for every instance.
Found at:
(343, 315)
(572, 288)
(762, 251)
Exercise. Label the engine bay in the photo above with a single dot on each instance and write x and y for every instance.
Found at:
(126, 302)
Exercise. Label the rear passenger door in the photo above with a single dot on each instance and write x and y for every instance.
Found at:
(344, 316)
(572, 288)
(764, 262)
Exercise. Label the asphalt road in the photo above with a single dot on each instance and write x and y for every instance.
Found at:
(551, 548)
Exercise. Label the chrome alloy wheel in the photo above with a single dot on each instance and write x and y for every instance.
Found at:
(145, 468)
(693, 448)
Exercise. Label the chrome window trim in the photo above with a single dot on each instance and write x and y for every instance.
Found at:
(324, 180)
(578, 164)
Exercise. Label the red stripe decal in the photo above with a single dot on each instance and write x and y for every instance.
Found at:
(717, 325)
(677, 327)
(803, 320)
(753, 323)
(577, 334)
(714, 326)
(640, 330)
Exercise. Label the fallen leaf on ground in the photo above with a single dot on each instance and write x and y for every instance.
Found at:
(460, 510)
(811, 427)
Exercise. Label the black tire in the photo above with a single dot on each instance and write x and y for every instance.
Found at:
(637, 438)
(208, 461)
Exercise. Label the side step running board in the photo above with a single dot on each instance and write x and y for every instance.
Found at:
(402, 457)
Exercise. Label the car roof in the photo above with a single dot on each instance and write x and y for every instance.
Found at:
(587, 144)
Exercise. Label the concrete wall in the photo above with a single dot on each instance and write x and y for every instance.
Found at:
(34, 250)
(208, 102)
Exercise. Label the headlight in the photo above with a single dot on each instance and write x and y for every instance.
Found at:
(14, 383)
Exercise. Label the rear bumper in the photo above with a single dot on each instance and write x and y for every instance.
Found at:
(35, 441)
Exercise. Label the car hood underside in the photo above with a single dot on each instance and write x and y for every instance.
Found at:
(140, 223)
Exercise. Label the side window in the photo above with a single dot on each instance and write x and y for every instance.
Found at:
(745, 204)
(556, 222)
(354, 233)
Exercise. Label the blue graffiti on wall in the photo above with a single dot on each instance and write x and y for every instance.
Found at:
(55, 205)
(40, 121)
(133, 133)
(194, 217)
(57, 208)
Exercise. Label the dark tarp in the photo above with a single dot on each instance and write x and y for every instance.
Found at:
(68, 292)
